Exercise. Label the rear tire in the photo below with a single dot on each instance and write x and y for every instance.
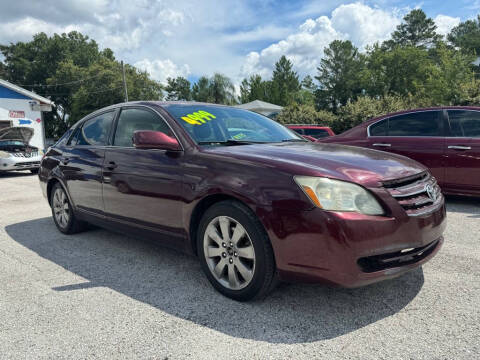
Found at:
(62, 212)
(235, 252)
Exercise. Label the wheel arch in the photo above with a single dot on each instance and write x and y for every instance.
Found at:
(200, 209)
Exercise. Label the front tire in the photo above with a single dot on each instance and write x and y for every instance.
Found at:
(62, 212)
(235, 252)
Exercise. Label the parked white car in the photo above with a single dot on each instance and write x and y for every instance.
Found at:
(16, 153)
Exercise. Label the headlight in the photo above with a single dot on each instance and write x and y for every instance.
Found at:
(339, 195)
(4, 154)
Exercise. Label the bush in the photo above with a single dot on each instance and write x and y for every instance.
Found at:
(305, 114)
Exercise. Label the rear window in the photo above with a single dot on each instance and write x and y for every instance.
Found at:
(464, 123)
(316, 133)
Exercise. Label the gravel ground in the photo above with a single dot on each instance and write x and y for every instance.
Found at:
(104, 295)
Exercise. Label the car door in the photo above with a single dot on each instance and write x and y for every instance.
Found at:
(82, 160)
(143, 187)
(462, 168)
(417, 135)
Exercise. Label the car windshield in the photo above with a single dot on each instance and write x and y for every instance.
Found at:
(217, 125)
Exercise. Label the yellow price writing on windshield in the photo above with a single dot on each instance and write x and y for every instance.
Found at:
(198, 117)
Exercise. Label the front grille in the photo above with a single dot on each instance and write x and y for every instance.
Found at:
(396, 259)
(25, 155)
(28, 164)
(417, 195)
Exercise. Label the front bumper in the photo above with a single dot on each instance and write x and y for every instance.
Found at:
(351, 249)
(20, 163)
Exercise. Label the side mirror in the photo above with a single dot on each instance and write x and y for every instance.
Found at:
(148, 139)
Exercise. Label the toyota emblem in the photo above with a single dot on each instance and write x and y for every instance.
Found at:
(432, 194)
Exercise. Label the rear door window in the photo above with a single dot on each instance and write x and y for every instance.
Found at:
(94, 131)
(464, 123)
(425, 123)
(379, 129)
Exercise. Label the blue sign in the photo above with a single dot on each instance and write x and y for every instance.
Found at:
(24, 122)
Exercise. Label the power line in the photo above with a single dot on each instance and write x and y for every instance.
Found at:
(90, 92)
(67, 83)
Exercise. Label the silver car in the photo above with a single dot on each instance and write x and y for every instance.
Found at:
(15, 151)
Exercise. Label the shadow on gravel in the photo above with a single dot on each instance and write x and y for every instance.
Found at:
(463, 204)
(174, 283)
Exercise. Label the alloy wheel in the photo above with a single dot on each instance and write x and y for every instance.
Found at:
(61, 208)
(229, 252)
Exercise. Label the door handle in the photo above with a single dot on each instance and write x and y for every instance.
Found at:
(382, 145)
(111, 165)
(459, 147)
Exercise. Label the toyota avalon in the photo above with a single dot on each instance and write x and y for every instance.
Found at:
(253, 200)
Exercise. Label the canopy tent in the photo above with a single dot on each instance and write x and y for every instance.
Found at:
(261, 107)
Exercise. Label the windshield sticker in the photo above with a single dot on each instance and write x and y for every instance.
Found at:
(198, 117)
(239, 136)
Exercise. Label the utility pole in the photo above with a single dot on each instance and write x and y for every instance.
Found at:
(124, 82)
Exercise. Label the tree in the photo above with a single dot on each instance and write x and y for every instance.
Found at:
(285, 83)
(201, 90)
(339, 75)
(218, 89)
(178, 89)
(222, 89)
(254, 88)
(306, 94)
(466, 36)
(71, 71)
(415, 30)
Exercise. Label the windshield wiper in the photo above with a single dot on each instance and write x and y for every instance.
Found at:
(294, 140)
(230, 142)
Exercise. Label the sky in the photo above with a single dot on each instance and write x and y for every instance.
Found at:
(237, 38)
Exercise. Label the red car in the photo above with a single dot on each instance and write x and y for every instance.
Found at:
(254, 201)
(445, 139)
(312, 132)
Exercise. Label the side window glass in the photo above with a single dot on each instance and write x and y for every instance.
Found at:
(93, 131)
(464, 123)
(131, 120)
(425, 123)
(379, 129)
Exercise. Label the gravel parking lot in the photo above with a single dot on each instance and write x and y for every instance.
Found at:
(99, 294)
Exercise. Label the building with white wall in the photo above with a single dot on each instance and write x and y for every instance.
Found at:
(20, 107)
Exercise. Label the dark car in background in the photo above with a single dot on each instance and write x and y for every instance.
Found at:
(255, 202)
(311, 132)
(445, 139)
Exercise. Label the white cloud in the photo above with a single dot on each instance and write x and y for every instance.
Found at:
(22, 30)
(162, 69)
(445, 23)
(357, 22)
(364, 25)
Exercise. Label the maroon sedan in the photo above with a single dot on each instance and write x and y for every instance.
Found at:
(255, 202)
(446, 140)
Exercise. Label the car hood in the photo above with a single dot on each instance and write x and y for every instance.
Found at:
(21, 133)
(360, 165)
